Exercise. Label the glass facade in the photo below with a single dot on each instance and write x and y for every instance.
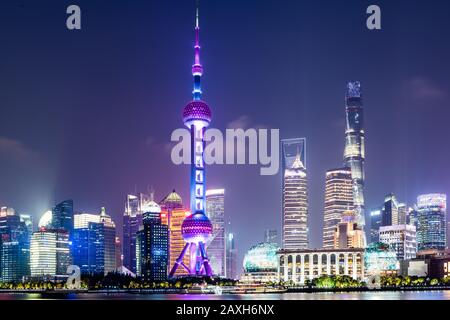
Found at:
(215, 210)
(153, 246)
(14, 247)
(431, 221)
(338, 199)
(295, 194)
(354, 152)
(94, 245)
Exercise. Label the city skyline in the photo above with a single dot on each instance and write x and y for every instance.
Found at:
(413, 131)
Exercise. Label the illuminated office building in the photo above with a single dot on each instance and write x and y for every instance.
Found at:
(14, 246)
(49, 254)
(390, 211)
(62, 216)
(403, 211)
(196, 228)
(354, 153)
(152, 245)
(338, 199)
(172, 215)
(118, 253)
(375, 224)
(94, 243)
(295, 194)
(132, 222)
(401, 238)
(215, 210)
(348, 233)
(431, 221)
(231, 257)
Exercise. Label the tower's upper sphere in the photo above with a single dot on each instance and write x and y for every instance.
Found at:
(196, 228)
(196, 111)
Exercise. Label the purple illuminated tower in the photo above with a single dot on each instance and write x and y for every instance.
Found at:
(196, 228)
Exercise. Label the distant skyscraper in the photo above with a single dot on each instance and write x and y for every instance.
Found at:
(354, 154)
(172, 215)
(62, 216)
(231, 257)
(401, 238)
(375, 224)
(215, 210)
(153, 245)
(49, 254)
(338, 199)
(431, 221)
(402, 213)
(295, 194)
(14, 246)
(93, 243)
(348, 234)
(390, 211)
(132, 221)
(118, 253)
(271, 236)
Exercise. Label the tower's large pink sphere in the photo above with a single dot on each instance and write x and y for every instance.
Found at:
(196, 228)
(197, 111)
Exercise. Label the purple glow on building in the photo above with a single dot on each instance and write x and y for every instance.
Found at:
(196, 228)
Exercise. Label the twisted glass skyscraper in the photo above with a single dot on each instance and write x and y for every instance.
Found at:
(354, 146)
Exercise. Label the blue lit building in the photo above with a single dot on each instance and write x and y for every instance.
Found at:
(152, 250)
(431, 221)
(62, 216)
(14, 247)
(93, 245)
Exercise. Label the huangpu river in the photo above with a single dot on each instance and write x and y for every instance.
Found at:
(367, 295)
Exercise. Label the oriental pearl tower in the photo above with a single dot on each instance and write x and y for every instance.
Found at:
(196, 228)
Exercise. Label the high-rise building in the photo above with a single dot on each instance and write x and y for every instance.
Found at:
(14, 246)
(132, 222)
(43, 254)
(49, 254)
(402, 213)
(375, 224)
(338, 199)
(215, 210)
(295, 194)
(62, 216)
(431, 221)
(348, 234)
(94, 243)
(153, 244)
(28, 220)
(197, 227)
(172, 215)
(118, 253)
(231, 257)
(390, 211)
(401, 238)
(354, 154)
(271, 236)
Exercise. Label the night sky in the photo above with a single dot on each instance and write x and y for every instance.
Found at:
(88, 114)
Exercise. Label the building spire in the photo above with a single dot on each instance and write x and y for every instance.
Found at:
(197, 69)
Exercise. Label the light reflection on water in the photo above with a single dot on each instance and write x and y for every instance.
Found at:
(369, 295)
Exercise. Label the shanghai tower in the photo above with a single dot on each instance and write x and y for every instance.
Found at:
(354, 146)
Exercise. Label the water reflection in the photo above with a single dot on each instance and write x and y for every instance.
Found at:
(387, 295)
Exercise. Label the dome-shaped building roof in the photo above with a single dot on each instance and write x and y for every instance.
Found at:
(261, 258)
(46, 219)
